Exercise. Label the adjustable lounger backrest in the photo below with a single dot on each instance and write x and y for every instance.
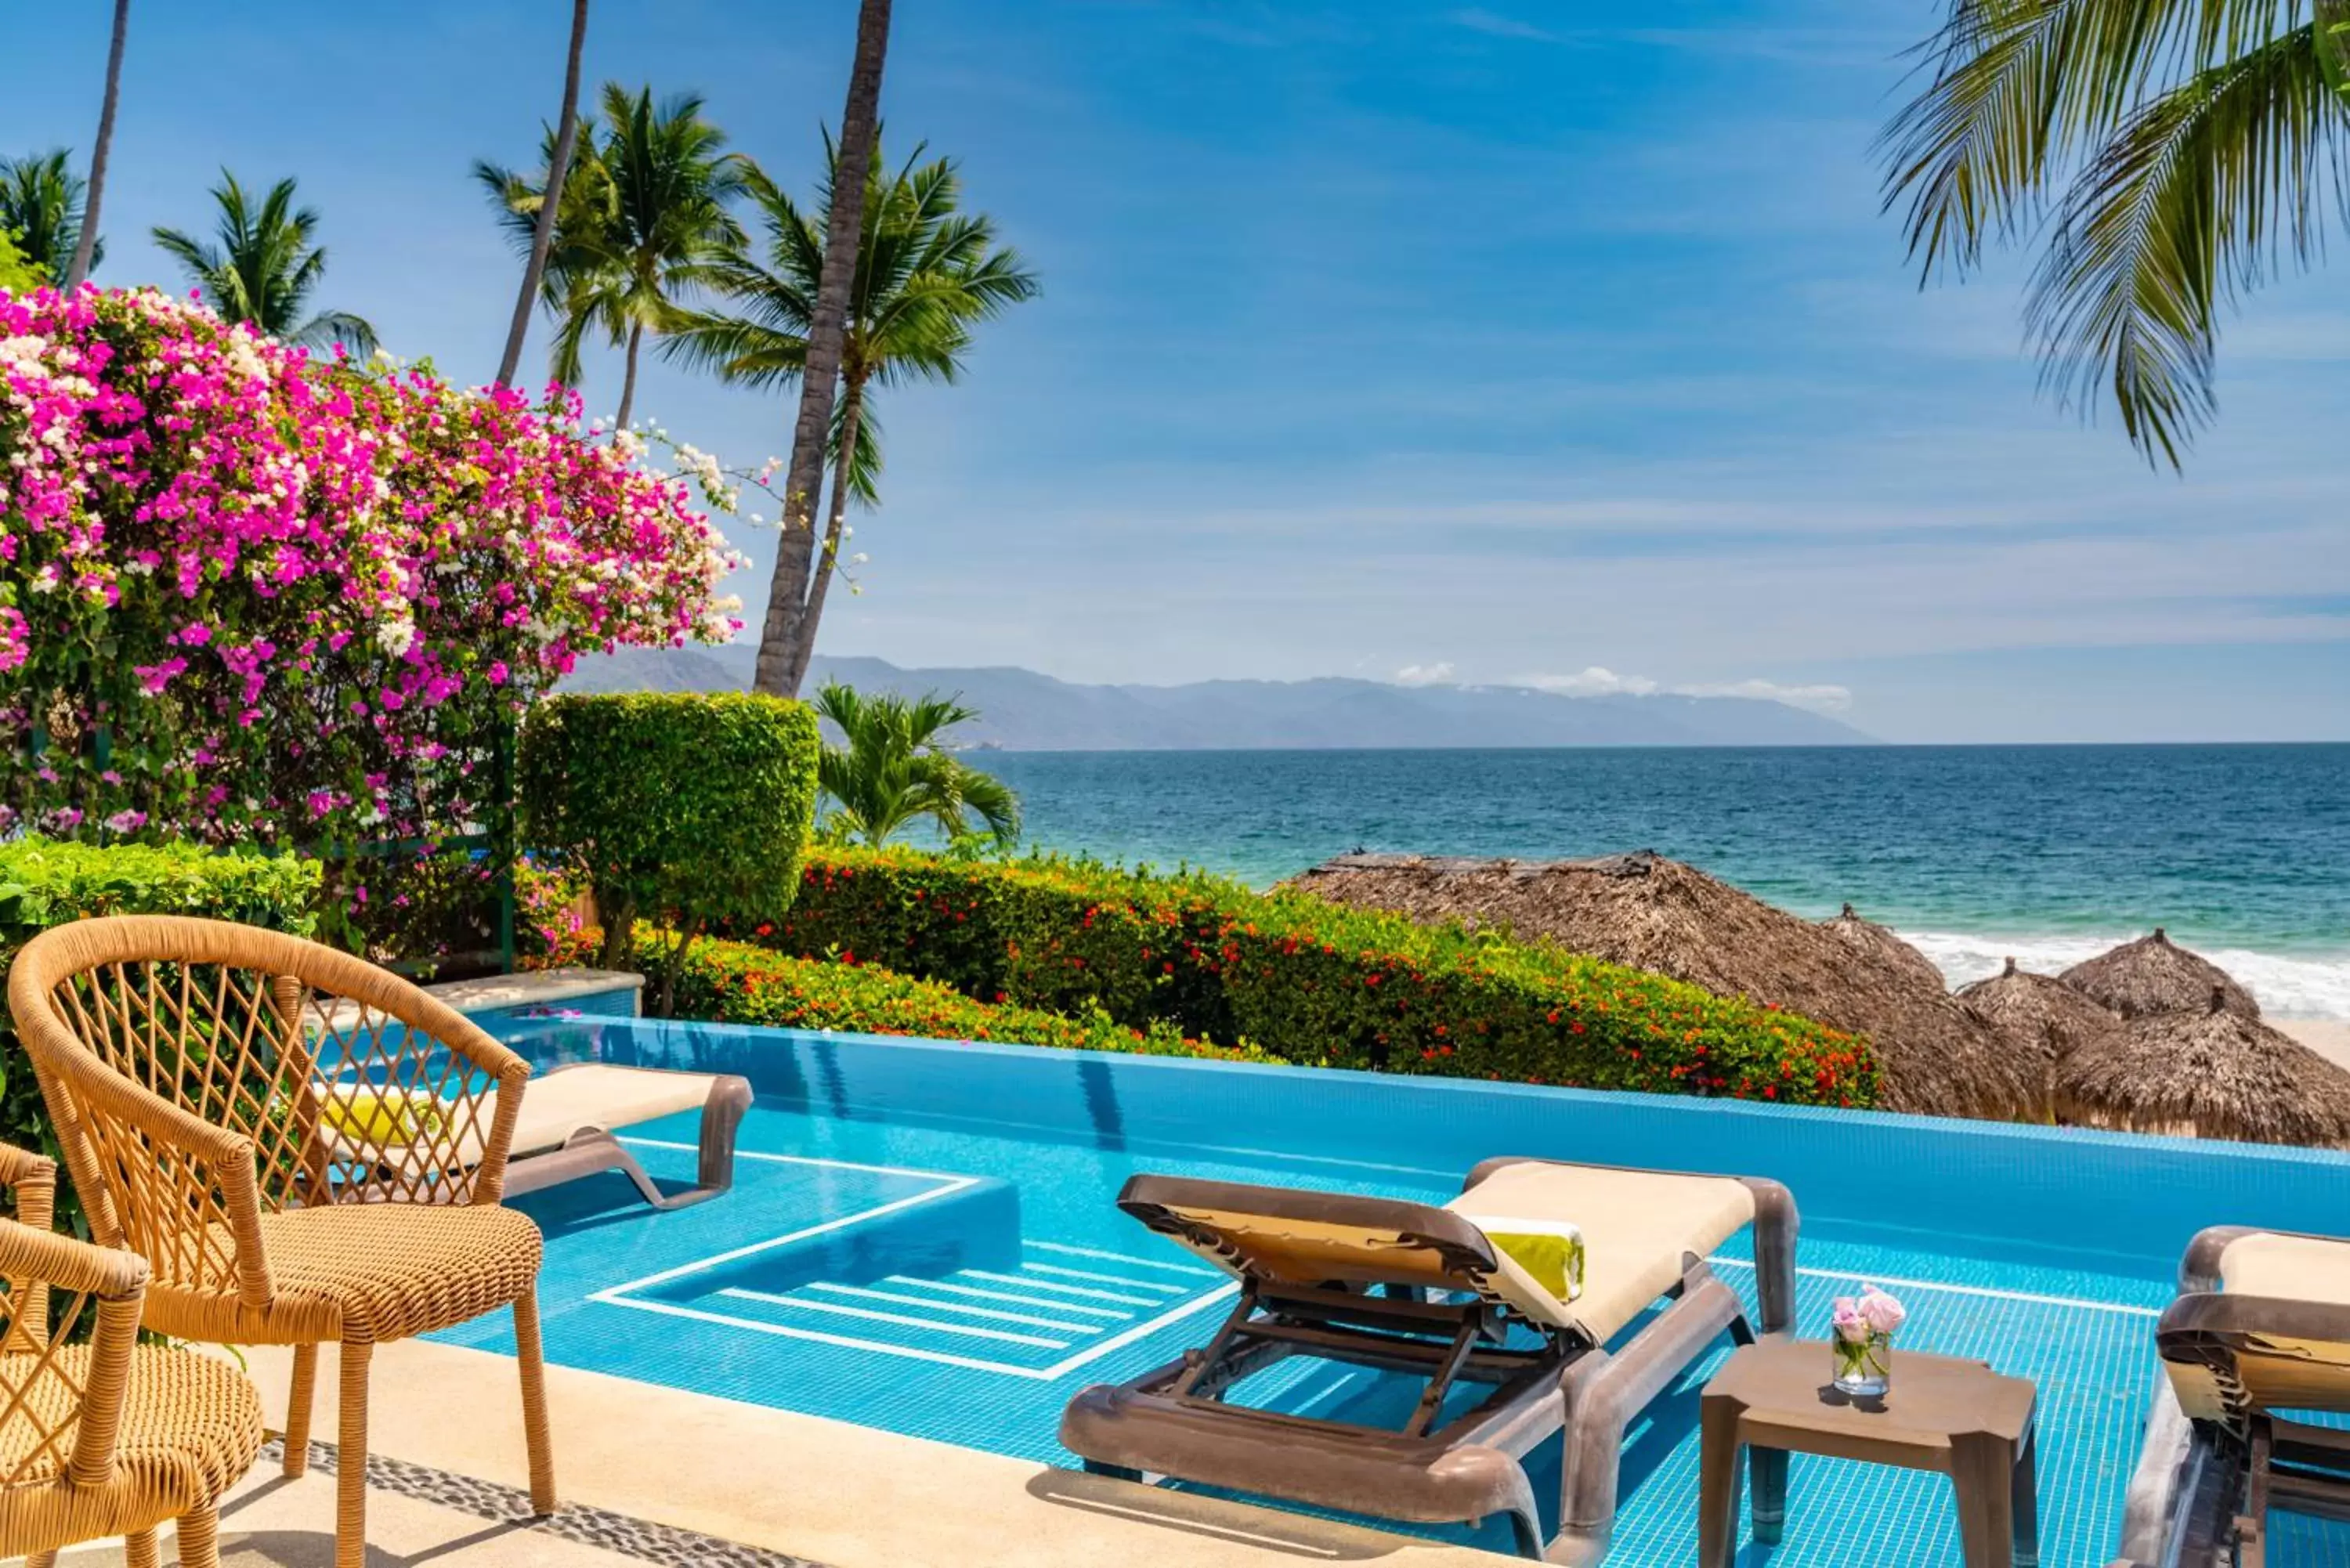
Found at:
(1283, 1236)
(2233, 1356)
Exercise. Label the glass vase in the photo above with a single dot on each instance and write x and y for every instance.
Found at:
(1864, 1367)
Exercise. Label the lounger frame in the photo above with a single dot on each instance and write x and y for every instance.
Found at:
(592, 1150)
(1173, 1420)
(2206, 1478)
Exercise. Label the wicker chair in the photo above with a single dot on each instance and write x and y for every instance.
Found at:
(305, 1149)
(106, 1437)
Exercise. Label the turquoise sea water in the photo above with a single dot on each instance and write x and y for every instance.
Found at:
(2050, 853)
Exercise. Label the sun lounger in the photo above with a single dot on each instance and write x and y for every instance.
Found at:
(564, 1132)
(1436, 1293)
(2262, 1325)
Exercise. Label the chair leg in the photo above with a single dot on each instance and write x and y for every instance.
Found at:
(41, 1560)
(140, 1550)
(200, 1537)
(533, 1362)
(351, 1455)
(298, 1410)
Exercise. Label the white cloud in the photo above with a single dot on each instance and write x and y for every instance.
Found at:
(1440, 674)
(1595, 681)
(1598, 681)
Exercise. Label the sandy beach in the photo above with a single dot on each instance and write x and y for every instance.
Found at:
(2329, 1037)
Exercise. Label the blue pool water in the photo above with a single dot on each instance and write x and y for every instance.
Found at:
(921, 1238)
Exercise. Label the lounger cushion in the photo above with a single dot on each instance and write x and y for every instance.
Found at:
(1638, 1227)
(598, 1096)
(2297, 1268)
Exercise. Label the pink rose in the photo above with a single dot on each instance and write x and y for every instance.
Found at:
(1882, 1312)
(1850, 1325)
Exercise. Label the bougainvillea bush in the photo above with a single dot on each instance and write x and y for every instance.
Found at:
(1309, 982)
(251, 595)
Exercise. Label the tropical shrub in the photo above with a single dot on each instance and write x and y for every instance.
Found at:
(687, 807)
(44, 883)
(17, 276)
(893, 771)
(741, 982)
(248, 594)
(1306, 981)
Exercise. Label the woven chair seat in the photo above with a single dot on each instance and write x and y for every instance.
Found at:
(367, 1272)
(191, 1427)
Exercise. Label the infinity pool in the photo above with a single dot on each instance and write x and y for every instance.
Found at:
(921, 1238)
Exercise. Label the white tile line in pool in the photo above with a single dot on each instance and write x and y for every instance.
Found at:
(842, 1309)
(2079, 1304)
(803, 1159)
(934, 1304)
(950, 1186)
(1002, 1296)
(1028, 1283)
(1121, 1258)
(1060, 1273)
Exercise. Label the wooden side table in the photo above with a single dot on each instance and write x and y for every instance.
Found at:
(1943, 1413)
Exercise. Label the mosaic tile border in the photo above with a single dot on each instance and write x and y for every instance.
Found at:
(620, 1533)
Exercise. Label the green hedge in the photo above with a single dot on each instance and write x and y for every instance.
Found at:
(1306, 981)
(679, 807)
(742, 983)
(44, 882)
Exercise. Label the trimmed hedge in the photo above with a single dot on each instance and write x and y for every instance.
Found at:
(44, 883)
(682, 807)
(741, 982)
(1306, 981)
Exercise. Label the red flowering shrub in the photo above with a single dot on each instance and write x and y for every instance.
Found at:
(1306, 981)
(738, 983)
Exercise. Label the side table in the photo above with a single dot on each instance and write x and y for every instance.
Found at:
(1943, 1413)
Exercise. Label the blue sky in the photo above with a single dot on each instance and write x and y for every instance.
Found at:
(1406, 340)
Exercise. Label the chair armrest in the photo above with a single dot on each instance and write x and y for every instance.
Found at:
(35, 1262)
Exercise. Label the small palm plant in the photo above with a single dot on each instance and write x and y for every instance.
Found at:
(893, 772)
(262, 266)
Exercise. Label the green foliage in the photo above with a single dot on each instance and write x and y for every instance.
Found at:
(45, 883)
(17, 274)
(686, 807)
(643, 209)
(740, 982)
(2170, 155)
(262, 266)
(41, 200)
(892, 772)
(1306, 980)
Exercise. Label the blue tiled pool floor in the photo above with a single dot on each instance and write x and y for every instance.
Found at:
(949, 1280)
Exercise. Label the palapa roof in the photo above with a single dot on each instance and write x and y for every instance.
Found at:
(2212, 1073)
(2155, 974)
(2042, 1020)
(1656, 914)
(1868, 937)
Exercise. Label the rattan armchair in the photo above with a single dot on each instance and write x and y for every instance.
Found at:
(303, 1147)
(103, 1436)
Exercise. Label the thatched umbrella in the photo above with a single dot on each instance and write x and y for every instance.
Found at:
(1656, 914)
(2212, 1073)
(1868, 937)
(2155, 974)
(2042, 1020)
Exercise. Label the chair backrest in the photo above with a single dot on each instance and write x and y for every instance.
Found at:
(2231, 1357)
(1289, 1236)
(60, 1409)
(173, 1052)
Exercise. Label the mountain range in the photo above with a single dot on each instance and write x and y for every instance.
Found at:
(1021, 709)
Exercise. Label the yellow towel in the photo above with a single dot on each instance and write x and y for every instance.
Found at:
(1549, 1250)
(378, 1118)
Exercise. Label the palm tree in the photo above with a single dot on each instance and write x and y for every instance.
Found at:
(2175, 154)
(261, 267)
(559, 166)
(925, 275)
(41, 201)
(787, 635)
(646, 210)
(893, 772)
(85, 250)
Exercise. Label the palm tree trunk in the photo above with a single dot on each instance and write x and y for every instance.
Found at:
(85, 246)
(852, 409)
(788, 629)
(542, 236)
(628, 380)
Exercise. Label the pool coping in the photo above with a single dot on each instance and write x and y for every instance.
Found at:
(810, 1488)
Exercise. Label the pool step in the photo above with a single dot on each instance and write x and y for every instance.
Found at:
(1049, 1305)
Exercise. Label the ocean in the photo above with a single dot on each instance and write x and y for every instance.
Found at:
(2047, 853)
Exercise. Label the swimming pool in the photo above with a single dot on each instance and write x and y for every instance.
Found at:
(921, 1238)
